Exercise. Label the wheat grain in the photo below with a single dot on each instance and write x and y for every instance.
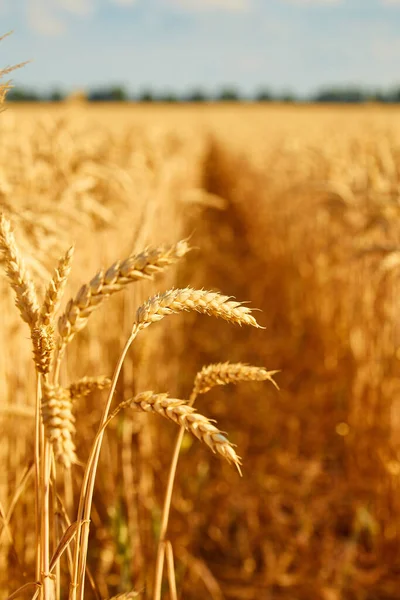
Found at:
(59, 422)
(184, 415)
(224, 373)
(141, 266)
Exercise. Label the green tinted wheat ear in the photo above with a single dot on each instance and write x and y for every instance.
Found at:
(224, 373)
(18, 275)
(59, 422)
(184, 415)
(180, 300)
(117, 277)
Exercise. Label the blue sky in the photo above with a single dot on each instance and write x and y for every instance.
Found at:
(297, 45)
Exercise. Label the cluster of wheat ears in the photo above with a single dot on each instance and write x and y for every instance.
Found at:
(55, 425)
(55, 453)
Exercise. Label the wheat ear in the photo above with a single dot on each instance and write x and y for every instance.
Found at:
(43, 347)
(87, 385)
(59, 422)
(21, 282)
(224, 373)
(186, 416)
(202, 301)
(26, 299)
(56, 287)
(43, 332)
(140, 266)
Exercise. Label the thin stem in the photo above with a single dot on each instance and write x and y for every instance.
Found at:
(23, 588)
(167, 509)
(56, 525)
(67, 478)
(171, 571)
(86, 496)
(38, 446)
(46, 577)
(68, 491)
(57, 367)
(159, 570)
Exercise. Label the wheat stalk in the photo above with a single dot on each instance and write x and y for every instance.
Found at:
(135, 268)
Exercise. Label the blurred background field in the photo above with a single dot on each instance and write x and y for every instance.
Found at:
(293, 208)
(246, 125)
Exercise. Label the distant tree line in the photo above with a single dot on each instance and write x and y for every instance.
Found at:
(336, 94)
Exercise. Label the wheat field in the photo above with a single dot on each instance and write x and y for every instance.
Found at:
(281, 220)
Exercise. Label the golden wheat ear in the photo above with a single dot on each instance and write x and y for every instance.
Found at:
(39, 319)
(18, 275)
(135, 268)
(87, 385)
(59, 422)
(225, 373)
(187, 299)
(56, 287)
(186, 416)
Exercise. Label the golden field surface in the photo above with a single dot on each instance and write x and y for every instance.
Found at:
(293, 209)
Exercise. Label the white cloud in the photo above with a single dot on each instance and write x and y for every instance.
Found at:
(43, 19)
(314, 2)
(207, 5)
(51, 17)
(76, 7)
(386, 49)
(124, 2)
(390, 2)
